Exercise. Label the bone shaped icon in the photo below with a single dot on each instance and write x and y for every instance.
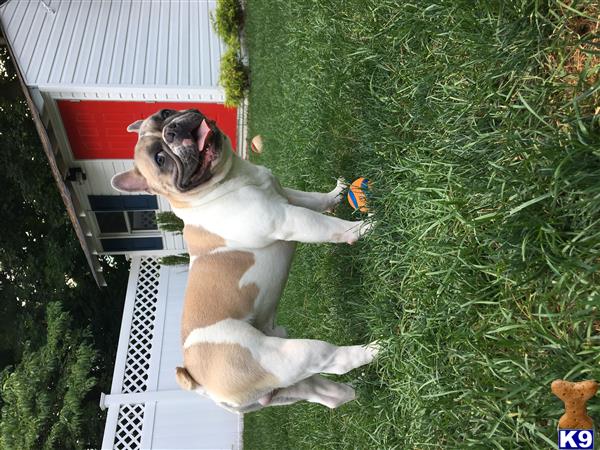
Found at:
(575, 397)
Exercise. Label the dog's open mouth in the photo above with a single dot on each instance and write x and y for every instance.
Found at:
(206, 137)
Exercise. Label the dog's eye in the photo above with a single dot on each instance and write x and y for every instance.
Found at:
(160, 159)
(165, 113)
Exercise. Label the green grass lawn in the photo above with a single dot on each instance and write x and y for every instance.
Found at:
(475, 121)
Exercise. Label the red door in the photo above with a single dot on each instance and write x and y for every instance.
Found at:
(98, 129)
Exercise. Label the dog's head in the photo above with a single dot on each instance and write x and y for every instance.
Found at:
(179, 154)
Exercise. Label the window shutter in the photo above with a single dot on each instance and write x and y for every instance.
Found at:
(122, 202)
(131, 244)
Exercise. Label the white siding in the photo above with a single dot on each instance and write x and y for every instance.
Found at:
(114, 43)
(192, 426)
(171, 355)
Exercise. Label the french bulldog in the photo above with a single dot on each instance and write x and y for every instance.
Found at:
(241, 227)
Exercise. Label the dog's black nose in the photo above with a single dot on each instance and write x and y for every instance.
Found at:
(169, 136)
(170, 132)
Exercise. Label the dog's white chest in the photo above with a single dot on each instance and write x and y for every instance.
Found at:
(242, 211)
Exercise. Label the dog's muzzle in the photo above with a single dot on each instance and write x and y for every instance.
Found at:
(194, 142)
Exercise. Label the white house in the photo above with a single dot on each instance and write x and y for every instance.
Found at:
(89, 68)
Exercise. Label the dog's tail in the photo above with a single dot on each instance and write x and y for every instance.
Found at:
(184, 379)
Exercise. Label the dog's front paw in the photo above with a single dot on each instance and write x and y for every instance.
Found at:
(336, 196)
(355, 233)
(341, 185)
(374, 348)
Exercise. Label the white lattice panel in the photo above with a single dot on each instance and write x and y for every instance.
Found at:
(146, 407)
(129, 427)
(139, 349)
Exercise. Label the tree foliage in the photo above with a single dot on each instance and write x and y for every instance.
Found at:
(168, 221)
(43, 394)
(41, 262)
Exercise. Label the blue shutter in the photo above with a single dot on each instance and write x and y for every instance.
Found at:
(132, 244)
(122, 202)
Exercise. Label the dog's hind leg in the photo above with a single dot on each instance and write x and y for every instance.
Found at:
(276, 331)
(317, 201)
(293, 360)
(315, 389)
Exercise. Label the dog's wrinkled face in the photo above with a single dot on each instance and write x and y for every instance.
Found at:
(178, 153)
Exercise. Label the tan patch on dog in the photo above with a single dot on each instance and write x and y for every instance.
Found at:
(199, 241)
(213, 292)
(227, 371)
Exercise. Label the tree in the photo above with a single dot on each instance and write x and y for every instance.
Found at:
(41, 262)
(37, 249)
(43, 395)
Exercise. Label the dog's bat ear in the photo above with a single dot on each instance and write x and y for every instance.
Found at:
(130, 181)
(135, 126)
(184, 379)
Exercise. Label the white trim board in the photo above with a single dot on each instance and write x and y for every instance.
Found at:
(134, 93)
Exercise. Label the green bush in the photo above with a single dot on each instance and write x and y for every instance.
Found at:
(228, 20)
(175, 260)
(168, 221)
(234, 76)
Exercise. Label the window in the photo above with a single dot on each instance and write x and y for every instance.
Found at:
(142, 220)
(126, 222)
(111, 222)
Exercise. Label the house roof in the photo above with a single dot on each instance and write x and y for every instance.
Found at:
(64, 190)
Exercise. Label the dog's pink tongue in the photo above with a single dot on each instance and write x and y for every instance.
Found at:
(204, 133)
